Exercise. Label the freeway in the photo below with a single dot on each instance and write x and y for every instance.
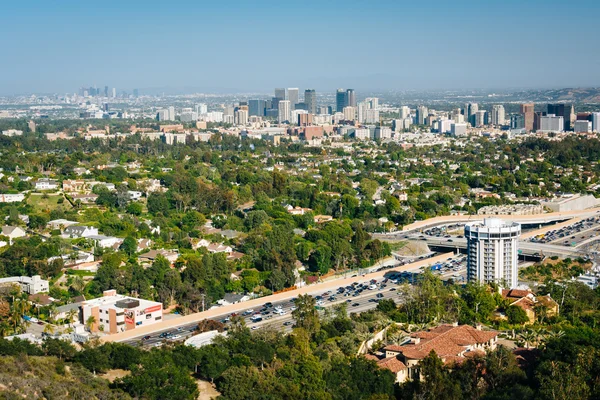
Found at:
(523, 219)
(363, 302)
(188, 320)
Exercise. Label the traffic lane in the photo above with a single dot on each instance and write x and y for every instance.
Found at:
(276, 320)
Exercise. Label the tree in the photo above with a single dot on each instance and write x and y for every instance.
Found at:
(134, 208)
(90, 322)
(516, 315)
(306, 315)
(129, 246)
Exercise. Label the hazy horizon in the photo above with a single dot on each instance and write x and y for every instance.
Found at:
(242, 47)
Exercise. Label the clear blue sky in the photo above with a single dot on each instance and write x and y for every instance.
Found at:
(58, 46)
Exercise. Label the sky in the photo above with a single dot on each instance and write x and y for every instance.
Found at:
(253, 46)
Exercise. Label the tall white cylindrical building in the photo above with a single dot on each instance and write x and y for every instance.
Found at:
(492, 251)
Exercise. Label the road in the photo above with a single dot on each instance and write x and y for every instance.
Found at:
(363, 302)
(257, 303)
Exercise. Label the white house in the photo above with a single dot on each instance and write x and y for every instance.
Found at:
(61, 223)
(105, 241)
(78, 231)
(12, 198)
(46, 184)
(13, 232)
(31, 285)
(134, 194)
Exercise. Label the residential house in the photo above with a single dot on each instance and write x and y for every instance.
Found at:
(397, 367)
(46, 184)
(529, 302)
(78, 231)
(143, 244)
(13, 232)
(61, 223)
(89, 198)
(30, 285)
(73, 185)
(452, 343)
(12, 198)
(150, 256)
(105, 241)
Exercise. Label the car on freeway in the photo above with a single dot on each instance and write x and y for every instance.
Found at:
(287, 323)
(268, 304)
(146, 338)
(355, 304)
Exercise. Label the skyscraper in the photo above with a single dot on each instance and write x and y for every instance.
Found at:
(105, 91)
(292, 96)
(561, 110)
(492, 251)
(481, 118)
(470, 111)
(349, 113)
(279, 95)
(257, 107)
(350, 98)
(114, 93)
(498, 115)
(310, 99)
(404, 112)
(136, 93)
(285, 111)
(341, 100)
(422, 113)
(527, 110)
(596, 122)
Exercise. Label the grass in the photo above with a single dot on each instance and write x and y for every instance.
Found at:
(40, 202)
(80, 272)
(395, 246)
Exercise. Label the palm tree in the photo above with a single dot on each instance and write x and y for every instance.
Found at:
(528, 338)
(90, 322)
(49, 328)
(71, 315)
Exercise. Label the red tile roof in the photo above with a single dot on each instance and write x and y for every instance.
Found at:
(446, 341)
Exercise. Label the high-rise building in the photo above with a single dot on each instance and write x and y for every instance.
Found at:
(114, 93)
(310, 99)
(201, 108)
(458, 129)
(422, 113)
(350, 98)
(292, 96)
(349, 113)
(341, 100)
(372, 102)
(470, 111)
(552, 123)
(561, 110)
(582, 126)
(371, 116)
(171, 113)
(240, 116)
(285, 111)
(596, 122)
(325, 110)
(257, 107)
(279, 95)
(528, 110)
(382, 132)
(362, 108)
(498, 115)
(492, 251)
(404, 112)
(136, 93)
(481, 118)
(517, 121)
(105, 91)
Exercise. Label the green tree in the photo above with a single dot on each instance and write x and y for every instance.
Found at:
(306, 315)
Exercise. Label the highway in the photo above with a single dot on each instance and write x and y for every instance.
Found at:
(363, 302)
(332, 285)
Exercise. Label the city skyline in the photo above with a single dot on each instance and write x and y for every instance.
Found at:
(128, 48)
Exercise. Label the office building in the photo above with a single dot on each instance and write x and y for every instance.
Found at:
(564, 111)
(445, 125)
(422, 113)
(257, 107)
(341, 100)
(285, 111)
(279, 95)
(350, 98)
(201, 108)
(537, 118)
(404, 112)
(188, 116)
(292, 96)
(457, 129)
(527, 110)
(492, 251)
(325, 110)
(105, 91)
(114, 92)
(517, 121)
(240, 117)
(372, 102)
(349, 113)
(498, 115)
(115, 313)
(362, 133)
(305, 118)
(481, 118)
(582, 126)
(596, 122)
(551, 123)
(382, 133)
(310, 100)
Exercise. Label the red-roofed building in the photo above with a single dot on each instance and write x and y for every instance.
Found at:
(452, 343)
